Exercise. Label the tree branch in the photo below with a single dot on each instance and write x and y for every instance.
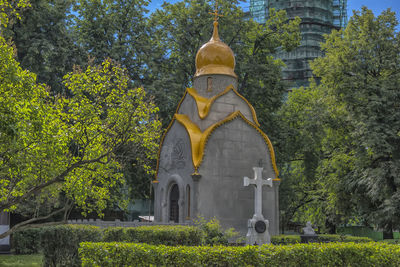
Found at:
(56, 179)
(25, 224)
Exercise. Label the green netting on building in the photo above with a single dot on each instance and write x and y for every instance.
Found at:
(259, 10)
(318, 17)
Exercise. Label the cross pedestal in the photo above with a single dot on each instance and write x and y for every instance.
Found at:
(257, 226)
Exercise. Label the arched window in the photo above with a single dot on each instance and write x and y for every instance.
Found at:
(173, 204)
(188, 201)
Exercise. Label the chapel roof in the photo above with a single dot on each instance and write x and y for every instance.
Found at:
(215, 57)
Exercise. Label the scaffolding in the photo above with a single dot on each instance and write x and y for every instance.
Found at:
(339, 8)
(318, 17)
(259, 10)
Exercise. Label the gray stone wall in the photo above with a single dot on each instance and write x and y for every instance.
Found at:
(231, 152)
(219, 83)
(175, 166)
(118, 223)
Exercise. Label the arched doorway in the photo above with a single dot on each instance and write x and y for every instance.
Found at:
(173, 204)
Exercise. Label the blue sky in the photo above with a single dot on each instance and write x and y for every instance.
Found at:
(376, 6)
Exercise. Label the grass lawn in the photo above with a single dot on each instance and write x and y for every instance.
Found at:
(34, 260)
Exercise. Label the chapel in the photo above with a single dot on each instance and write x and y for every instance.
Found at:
(212, 142)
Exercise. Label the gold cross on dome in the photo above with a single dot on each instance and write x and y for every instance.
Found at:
(215, 13)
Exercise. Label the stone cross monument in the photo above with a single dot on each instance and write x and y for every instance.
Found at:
(258, 226)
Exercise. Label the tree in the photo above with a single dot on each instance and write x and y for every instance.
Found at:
(44, 41)
(117, 29)
(114, 29)
(66, 147)
(352, 122)
(362, 70)
(316, 158)
(10, 11)
(178, 30)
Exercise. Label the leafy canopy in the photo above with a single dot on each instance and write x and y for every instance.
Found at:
(51, 146)
(345, 131)
(10, 10)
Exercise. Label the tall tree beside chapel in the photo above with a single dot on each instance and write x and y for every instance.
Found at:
(350, 124)
(44, 41)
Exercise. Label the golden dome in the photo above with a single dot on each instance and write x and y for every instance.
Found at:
(215, 57)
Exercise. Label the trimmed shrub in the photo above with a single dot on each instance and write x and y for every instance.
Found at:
(156, 235)
(294, 239)
(60, 243)
(344, 238)
(329, 254)
(285, 239)
(214, 233)
(26, 241)
(391, 241)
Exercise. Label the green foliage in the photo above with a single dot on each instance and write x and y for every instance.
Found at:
(344, 238)
(331, 254)
(114, 29)
(44, 43)
(343, 152)
(285, 239)
(10, 10)
(156, 235)
(60, 243)
(21, 260)
(27, 241)
(295, 239)
(26, 120)
(391, 241)
(361, 72)
(56, 148)
(362, 231)
(214, 234)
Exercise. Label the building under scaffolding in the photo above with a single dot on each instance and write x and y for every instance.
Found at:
(318, 17)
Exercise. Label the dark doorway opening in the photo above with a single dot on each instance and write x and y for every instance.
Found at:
(173, 204)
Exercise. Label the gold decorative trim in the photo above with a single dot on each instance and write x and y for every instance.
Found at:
(198, 139)
(195, 136)
(204, 104)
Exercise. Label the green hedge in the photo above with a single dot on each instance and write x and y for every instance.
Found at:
(26, 241)
(294, 239)
(156, 235)
(60, 243)
(325, 254)
(285, 239)
(344, 238)
(391, 241)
